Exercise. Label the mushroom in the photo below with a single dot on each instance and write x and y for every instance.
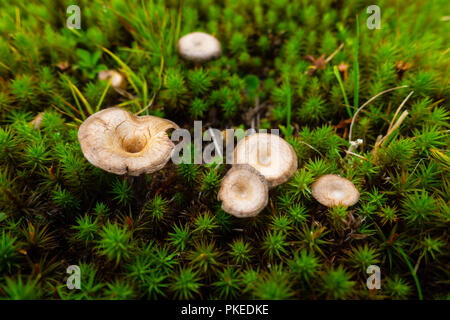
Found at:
(37, 121)
(199, 47)
(117, 141)
(332, 190)
(117, 79)
(244, 191)
(270, 154)
(63, 65)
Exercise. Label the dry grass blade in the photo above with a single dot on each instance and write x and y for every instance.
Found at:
(399, 108)
(365, 104)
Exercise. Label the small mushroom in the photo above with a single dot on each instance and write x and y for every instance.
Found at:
(270, 154)
(63, 65)
(244, 191)
(331, 191)
(117, 79)
(199, 47)
(37, 121)
(117, 141)
(343, 68)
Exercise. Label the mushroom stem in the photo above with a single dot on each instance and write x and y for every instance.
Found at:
(138, 186)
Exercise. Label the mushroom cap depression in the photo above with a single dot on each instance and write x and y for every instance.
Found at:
(244, 191)
(270, 154)
(199, 47)
(117, 141)
(331, 191)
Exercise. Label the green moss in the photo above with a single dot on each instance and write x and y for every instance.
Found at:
(165, 236)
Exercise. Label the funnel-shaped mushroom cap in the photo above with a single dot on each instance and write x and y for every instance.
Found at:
(331, 191)
(270, 154)
(117, 141)
(244, 192)
(199, 47)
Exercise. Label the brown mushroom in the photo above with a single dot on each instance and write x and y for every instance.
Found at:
(117, 141)
(199, 47)
(244, 191)
(331, 191)
(270, 154)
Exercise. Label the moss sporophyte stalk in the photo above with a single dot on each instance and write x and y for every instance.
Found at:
(220, 150)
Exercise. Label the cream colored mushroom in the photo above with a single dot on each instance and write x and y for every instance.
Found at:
(331, 191)
(199, 47)
(117, 79)
(270, 154)
(37, 121)
(117, 141)
(244, 191)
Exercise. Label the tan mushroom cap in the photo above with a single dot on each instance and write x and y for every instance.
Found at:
(270, 154)
(244, 191)
(117, 79)
(37, 121)
(199, 47)
(331, 191)
(117, 141)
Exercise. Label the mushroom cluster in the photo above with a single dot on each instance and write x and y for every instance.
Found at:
(261, 161)
(332, 191)
(117, 141)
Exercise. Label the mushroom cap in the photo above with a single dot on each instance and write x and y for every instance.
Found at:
(332, 190)
(270, 154)
(117, 141)
(199, 47)
(117, 79)
(244, 191)
(37, 121)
